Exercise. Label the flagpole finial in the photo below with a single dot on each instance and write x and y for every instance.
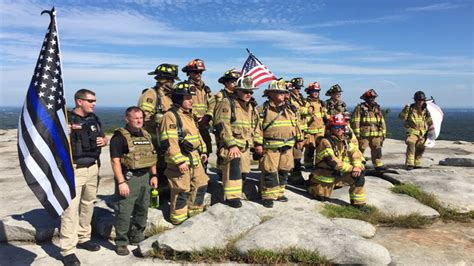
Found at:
(51, 12)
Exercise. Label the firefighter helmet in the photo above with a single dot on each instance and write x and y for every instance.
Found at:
(370, 93)
(195, 65)
(313, 86)
(419, 96)
(245, 83)
(297, 83)
(334, 89)
(231, 74)
(166, 71)
(337, 120)
(183, 88)
(277, 86)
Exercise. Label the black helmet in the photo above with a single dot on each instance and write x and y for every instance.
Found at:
(167, 71)
(419, 96)
(184, 88)
(231, 74)
(297, 83)
(334, 88)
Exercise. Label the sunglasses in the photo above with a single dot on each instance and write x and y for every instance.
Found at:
(247, 92)
(89, 100)
(338, 127)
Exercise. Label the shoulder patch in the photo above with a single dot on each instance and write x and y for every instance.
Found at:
(173, 126)
(149, 100)
(225, 110)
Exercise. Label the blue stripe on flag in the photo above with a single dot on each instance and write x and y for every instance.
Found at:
(53, 131)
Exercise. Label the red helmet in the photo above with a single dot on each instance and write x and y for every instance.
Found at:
(369, 94)
(337, 120)
(195, 65)
(313, 86)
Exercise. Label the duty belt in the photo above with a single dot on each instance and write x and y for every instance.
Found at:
(87, 165)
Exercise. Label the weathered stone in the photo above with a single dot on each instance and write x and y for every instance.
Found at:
(466, 162)
(211, 229)
(379, 195)
(362, 228)
(438, 244)
(311, 231)
(36, 225)
(453, 186)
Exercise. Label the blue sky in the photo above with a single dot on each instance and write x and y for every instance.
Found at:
(395, 47)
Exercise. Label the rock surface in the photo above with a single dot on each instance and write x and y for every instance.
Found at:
(466, 162)
(211, 229)
(379, 195)
(310, 230)
(454, 186)
(362, 228)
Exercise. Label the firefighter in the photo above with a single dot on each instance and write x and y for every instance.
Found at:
(236, 123)
(154, 102)
(316, 123)
(337, 158)
(185, 153)
(369, 127)
(229, 80)
(280, 132)
(203, 101)
(335, 104)
(301, 106)
(417, 123)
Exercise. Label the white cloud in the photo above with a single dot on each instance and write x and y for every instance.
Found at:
(435, 7)
(336, 23)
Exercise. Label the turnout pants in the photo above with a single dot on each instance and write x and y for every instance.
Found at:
(322, 186)
(187, 192)
(415, 149)
(76, 219)
(309, 150)
(275, 166)
(232, 170)
(131, 212)
(375, 144)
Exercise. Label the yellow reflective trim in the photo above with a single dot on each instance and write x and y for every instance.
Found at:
(324, 179)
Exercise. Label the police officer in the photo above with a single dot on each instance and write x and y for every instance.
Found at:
(316, 123)
(335, 104)
(154, 102)
(203, 100)
(185, 155)
(236, 123)
(369, 127)
(301, 106)
(280, 133)
(87, 138)
(417, 123)
(133, 160)
(337, 158)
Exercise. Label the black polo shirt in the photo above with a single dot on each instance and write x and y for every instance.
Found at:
(119, 146)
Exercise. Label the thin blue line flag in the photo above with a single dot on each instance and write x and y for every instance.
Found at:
(43, 146)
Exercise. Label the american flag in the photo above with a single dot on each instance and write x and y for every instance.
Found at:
(43, 146)
(259, 73)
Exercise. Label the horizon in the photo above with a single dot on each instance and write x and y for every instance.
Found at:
(395, 47)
